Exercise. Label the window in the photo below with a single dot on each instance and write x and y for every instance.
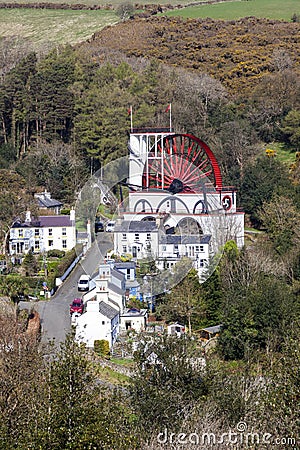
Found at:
(21, 233)
(136, 236)
(103, 322)
(191, 251)
(64, 243)
(164, 248)
(36, 245)
(149, 236)
(50, 232)
(50, 243)
(201, 248)
(36, 232)
(64, 231)
(124, 248)
(124, 237)
(203, 262)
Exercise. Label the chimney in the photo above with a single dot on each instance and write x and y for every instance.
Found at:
(72, 215)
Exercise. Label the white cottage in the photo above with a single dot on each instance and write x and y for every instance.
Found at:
(100, 321)
(42, 234)
(108, 286)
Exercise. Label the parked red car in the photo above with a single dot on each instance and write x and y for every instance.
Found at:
(76, 306)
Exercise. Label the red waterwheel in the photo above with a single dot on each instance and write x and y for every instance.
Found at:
(184, 161)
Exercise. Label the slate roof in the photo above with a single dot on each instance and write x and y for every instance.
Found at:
(107, 310)
(136, 226)
(119, 275)
(124, 265)
(46, 222)
(132, 284)
(214, 329)
(178, 239)
(46, 202)
(134, 312)
(112, 287)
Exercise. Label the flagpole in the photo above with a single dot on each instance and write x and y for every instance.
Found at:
(170, 117)
(131, 119)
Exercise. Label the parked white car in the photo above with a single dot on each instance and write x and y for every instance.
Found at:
(74, 318)
(84, 283)
(110, 226)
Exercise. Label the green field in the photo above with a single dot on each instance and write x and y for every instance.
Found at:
(271, 9)
(45, 29)
(53, 27)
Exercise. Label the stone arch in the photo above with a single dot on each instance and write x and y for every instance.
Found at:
(189, 226)
(144, 202)
(172, 199)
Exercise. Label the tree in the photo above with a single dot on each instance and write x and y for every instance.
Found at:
(82, 414)
(185, 303)
(168, 382)
(22, 383)
(52, 98)
(291, 129)
(125, 10)
(280, 218)
(262, 179)
(17, 94)
(256, 309)
(30, 264)
(280, 398)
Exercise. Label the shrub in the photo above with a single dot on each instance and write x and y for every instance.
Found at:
(101, 347)
(56, 253)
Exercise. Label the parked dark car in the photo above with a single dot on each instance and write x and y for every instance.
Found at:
(76, 306)
(99, 226)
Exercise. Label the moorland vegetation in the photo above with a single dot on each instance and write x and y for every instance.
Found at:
(234, 84)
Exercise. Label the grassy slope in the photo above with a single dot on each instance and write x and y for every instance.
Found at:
(271, 9)
(53, 27)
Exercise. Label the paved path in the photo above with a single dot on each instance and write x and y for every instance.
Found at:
(54, 313)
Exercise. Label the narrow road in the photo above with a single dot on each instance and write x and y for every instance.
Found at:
(54, 313)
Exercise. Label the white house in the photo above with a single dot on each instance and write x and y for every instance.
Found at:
(134, 319)
(42, 234)
(137, 238)
(132, 286)
(108, 286)
(100, 321)
(108, 291)
(47, 203)
(142, 239)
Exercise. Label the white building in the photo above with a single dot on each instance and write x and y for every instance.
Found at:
(99, 321)
(47, 203)
(132, 286)
(108, 286)
(42, 234)
(134, 319)
(149, 239)
(176, 189)
(107, 298)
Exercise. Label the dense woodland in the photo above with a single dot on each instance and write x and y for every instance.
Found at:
(235, 85)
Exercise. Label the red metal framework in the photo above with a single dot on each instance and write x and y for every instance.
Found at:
(185, 159)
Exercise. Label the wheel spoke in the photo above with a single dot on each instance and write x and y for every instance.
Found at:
(185, 158)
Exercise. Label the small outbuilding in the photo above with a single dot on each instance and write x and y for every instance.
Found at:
(210, 332)
(176, 329)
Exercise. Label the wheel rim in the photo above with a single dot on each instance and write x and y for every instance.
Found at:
(182, 159)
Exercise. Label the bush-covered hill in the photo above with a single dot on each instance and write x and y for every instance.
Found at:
(238, 53)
